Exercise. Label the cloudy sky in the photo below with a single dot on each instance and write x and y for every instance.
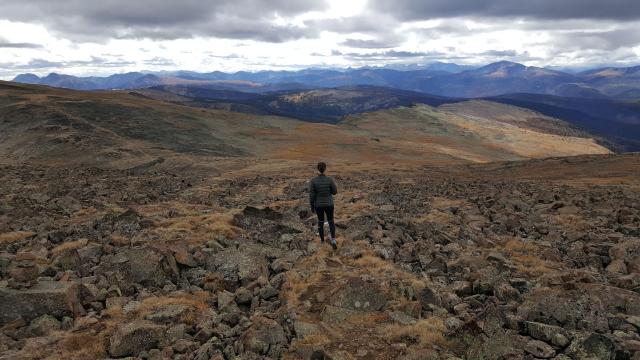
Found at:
(108, 36)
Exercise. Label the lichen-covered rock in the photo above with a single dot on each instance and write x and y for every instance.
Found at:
(263, 335)
(141, 265)
(54, 298)
(592, 346)
(539, 349)
(239, 267)
(133, 338)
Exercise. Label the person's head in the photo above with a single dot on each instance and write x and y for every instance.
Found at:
(322, 167)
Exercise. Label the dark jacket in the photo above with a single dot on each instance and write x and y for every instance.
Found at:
(321, 191)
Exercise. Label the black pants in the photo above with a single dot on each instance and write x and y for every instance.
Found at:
(321, 211)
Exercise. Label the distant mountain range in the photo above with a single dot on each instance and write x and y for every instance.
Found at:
(440, 79)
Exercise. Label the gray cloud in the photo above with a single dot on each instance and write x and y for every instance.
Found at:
(500, 53)
(159, 61)
(371, 44)
(10, 45)
(40, 64)
(162, 19)
(6, 44)
(599, 40)
(539, 9)
(391, 54)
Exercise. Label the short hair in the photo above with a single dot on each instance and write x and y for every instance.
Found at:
(322, 167)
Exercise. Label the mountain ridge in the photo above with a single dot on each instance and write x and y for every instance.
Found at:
(494, 79)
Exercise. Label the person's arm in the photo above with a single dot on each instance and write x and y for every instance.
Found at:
(334, 188)
(312, 196)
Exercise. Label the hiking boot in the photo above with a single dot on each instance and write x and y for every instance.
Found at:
(334, 245)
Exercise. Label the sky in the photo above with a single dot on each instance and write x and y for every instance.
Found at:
(80, 37)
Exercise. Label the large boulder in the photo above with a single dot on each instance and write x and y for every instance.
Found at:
(133, 338)
(592, 346)
(539, 349)
(54, 298)
(140, 265)
(548, 333)
(263, 335)
(266, 224)
(570, 309)
(239, 267)
(361, 296)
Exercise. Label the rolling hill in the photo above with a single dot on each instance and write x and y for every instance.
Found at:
(120, 129)
(613, 122)
(616, 121)
(328, 105)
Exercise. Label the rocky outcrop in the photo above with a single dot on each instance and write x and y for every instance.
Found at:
(55, 298)
(133, 338)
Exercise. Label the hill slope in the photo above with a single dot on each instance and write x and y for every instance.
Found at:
(328, 105)
(47, 124)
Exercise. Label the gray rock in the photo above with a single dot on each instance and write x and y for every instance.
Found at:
(268, 292)
(225, 298)
(453, 323)
(183, 346)
(44, 325)
(67, 260)
(133, 338)
(539, 349)
(461, 288)
(263, 335)
(505, 292)
(24, 273)
(428, 296)
(334, 314)
(591, 346)
(140, 265)
(243, 296)
(304, 329)
(548, 333)
(239, 266)
(361, 296)
(117, 302)
(54, 298)
(281, 265)
(169, 313)
(402, 318)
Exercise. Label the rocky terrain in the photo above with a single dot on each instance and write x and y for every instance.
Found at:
(517, 260)
(141, 229)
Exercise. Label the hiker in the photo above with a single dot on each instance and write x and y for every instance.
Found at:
(321, 191)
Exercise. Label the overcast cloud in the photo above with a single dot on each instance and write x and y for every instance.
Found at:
(101, 37)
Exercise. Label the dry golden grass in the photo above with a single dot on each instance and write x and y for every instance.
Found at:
(436, 216)
(533, 265)
(11, 237)
(83, 215)
(120, 240)
(525, 257)
(80, 347)
(295, 286)
(426, 332)
(69, 246)
(442, 202)
(197, 229)
(367, 319)
(516, 245)
(196, 304)
(311, 340)
(572, 221)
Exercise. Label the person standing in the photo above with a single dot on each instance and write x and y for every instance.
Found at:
(321, 191)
